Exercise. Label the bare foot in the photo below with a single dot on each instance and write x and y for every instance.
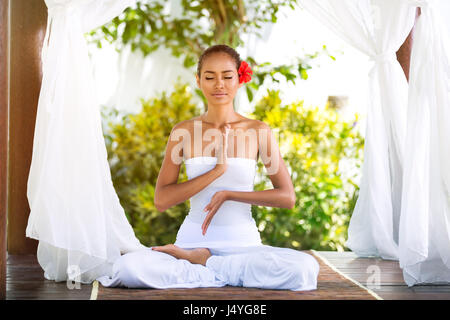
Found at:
(199, 256)
(195, 256)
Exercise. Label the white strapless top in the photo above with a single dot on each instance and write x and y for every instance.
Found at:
(233, 224)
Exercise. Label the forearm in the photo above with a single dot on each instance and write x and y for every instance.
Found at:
(269, 198)
(173, 194)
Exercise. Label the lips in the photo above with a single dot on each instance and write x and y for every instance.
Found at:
(219, 94)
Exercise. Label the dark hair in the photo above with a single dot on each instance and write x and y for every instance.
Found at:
(219, 48)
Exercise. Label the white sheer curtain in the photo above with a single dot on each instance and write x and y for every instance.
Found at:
(403, 212)
(377, 28)
(75, 212)
(425, 215)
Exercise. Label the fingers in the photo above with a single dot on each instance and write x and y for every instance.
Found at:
(226, 130)
(224, 146)
(209, 207)
(212, 207)
(206, 227)
(207, 221)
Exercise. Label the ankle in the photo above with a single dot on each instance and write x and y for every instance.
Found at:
(207, 257)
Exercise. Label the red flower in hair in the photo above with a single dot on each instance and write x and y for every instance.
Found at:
(244, 72)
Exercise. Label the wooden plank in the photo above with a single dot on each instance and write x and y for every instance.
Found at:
(391, 283)
(384, 277)
(28, 24)
(4, 45)
(405, 293)
(338, 254)
(25, 280)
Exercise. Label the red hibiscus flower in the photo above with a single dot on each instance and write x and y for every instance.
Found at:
(245, 72)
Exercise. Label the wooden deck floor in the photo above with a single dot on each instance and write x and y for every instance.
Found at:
(391, 283)
(25, 279)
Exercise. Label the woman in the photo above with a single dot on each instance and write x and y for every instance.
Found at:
(218, 243)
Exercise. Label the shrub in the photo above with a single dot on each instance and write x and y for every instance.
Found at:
(315, 145)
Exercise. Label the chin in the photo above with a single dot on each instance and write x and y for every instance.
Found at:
(220, 101)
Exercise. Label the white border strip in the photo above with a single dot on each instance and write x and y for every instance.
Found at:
(317, 254)
(94, 291)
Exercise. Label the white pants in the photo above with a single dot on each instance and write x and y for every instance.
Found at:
(264, 267)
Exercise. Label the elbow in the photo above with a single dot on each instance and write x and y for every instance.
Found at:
(159, 205)
(291, 201)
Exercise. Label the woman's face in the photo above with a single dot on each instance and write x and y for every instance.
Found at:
(219, 79)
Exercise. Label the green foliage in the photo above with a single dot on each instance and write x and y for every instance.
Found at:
(204, 23)
(136, 146)
(201, 24)
(313, 143)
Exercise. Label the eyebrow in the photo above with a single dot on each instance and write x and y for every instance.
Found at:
(222, 71)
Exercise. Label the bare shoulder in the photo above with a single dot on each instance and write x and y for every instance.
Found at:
(181, 129)
(258, 124)
(182, 124)
(264, 134)
(249, 123)
(262, 129)
(187, 124)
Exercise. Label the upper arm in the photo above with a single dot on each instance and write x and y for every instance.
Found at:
(269, 152)
(173, 156)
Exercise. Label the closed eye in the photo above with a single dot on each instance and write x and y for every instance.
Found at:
(225, 78)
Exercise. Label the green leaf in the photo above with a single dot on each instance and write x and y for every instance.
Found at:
(249, 93)
(303, 74)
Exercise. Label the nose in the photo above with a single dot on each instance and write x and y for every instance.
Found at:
(219, 83)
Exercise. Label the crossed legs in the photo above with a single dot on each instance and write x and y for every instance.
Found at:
(265, 267)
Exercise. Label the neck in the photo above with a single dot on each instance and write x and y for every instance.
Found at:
(220, 115)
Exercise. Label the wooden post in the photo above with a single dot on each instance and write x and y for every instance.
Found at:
(28, 21)
(4, 24)
(404, 52)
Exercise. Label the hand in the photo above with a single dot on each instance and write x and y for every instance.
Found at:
(221, 153)
(216, 201)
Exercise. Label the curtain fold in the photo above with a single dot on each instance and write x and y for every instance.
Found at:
(377, 28)
(75, 212)
(425, 215)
